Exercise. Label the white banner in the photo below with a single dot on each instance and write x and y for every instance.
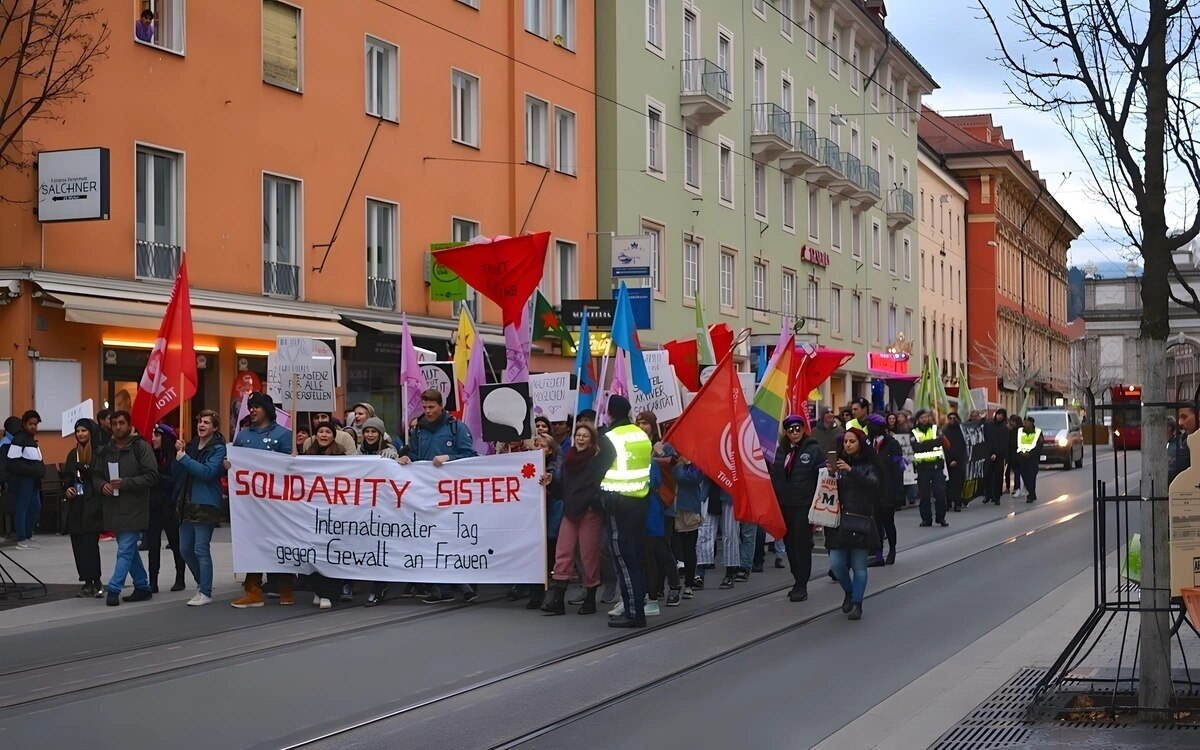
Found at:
(664, 399)
(552, 395)
(476, 520)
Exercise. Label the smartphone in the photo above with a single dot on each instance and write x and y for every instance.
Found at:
(831, 459)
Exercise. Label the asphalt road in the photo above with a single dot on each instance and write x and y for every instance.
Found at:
(271, 677)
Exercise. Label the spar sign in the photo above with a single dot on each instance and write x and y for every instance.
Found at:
(476, 520)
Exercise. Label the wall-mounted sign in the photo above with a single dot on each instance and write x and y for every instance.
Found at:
(444, 284)
(641, 304)
(887, 362)
(600, 313)
(810, 254)
(631, 256)
(73, 184)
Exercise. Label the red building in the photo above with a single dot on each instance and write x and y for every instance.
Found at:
(1017, 241)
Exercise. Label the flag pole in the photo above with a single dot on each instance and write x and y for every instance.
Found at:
(295, 386)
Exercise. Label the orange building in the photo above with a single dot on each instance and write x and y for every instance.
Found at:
(305, 155)
(1017, 241)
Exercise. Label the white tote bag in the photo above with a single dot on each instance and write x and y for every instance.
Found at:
(826, 508)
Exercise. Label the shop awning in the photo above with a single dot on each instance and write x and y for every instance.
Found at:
(206, 320)
(441, 334)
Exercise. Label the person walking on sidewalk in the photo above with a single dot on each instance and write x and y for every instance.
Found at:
(856, 533)
(85, 514)
(26, 470)
(626, 452)
(929, 456)
(995, 445)
(794, 476)
(199, 466)
(1029, 452)
(162, 508)
(264, 434)
(891, 463)
(126, 498)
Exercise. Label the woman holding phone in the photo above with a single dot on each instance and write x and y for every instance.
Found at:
(856, 533)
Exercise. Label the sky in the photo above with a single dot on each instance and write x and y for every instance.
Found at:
(953, 41)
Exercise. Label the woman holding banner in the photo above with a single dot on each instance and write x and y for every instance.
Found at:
(199, 466)
(325, 590)
(582, 522)
(375, 442)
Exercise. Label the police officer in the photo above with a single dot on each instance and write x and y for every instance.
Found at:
(1029, 451)
(626, 450)
(929, 457)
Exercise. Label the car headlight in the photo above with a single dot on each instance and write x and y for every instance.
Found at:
(1062, 442)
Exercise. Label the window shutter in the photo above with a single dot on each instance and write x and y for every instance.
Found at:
(281, 44)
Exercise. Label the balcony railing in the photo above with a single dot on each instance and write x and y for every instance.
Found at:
(852, 168)
(381, 293)
(901, 202)
(701, 77)
(155, 260)
(805, 140)
(772, 120)
(281, 279)
(831, 155)
(871, 179)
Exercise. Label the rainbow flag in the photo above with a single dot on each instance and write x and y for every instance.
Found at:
(770, 402)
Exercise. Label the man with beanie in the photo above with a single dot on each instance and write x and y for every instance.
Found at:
(626, 451)
(264, 434)
(798, 461)
(995, 441)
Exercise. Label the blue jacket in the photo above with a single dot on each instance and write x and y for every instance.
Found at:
(654, 515)
(445, 437)
(269, 438)
(203, 469)
(691, 487)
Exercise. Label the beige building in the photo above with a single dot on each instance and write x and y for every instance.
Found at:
(941, 228)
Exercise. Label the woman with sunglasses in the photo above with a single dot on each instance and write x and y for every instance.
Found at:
(794, 476)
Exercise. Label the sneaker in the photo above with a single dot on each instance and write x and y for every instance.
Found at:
(687, 592)
(679, 565)
(138, 595)
(113, 599)
(316, 600)
(86, 591)
(438, 598)
(779, 562)
(286, 600)
(650, 609)
(30, 544)
(251, 599)
(324, 603)
(618, 610)
(726, 583)
(673, 598)
(23, 545)
(741, 576)
(347, 593)
(698, 583)
(470, 595)
(199, 600)
(756, 568)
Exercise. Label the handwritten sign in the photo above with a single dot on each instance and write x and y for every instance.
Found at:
(306, 363)
(663, 399)
(477, 520)
(552, 395)
(74, 414)
(440, 375)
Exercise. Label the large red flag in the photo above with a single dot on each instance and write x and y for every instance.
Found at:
(722, 339)
(734, 461)
(811, 370)
(172, 363)
(506, 271)
(684, 357)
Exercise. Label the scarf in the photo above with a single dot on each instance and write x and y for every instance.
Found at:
(577, 460)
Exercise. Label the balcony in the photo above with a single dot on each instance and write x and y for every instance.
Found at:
(703, 91)
(803, 155)
(772, 133)
(847, 185)
(381, 293)
(867, 195)
(829, 169)
(900, 208)
(281, 280)
(156, 261)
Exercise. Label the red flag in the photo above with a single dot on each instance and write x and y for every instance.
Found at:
(722, 339)
(735, 460)
(684, 357)
(506, 271)
(811, 370)
(172, 362)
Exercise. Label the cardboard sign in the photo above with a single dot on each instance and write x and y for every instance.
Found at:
(664, 398)
(309, 365)
(1184, 511)
(75, 413)
(507, 412)
(440, 375)
(552, 395)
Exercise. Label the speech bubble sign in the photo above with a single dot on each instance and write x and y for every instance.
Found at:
(507, 412)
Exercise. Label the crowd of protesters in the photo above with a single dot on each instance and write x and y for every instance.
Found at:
(624, 510)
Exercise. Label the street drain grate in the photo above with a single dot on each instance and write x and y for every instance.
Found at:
(998, 722)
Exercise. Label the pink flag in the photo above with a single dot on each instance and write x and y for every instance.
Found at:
(243, 412)
(518, 343)
(472, 400)
(620, 379)
(412, 380)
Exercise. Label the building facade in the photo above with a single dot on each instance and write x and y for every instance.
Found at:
(305, 159)
(769, 151)
(942, 225)
(1016, 273)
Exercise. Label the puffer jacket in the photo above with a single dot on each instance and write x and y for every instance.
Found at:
(858, 492)
(795, 488)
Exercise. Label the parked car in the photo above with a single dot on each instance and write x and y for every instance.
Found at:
(1062, 436)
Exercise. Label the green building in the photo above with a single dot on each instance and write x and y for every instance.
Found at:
(769, 149)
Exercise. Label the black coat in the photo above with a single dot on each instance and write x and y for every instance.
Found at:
(956, 453)
(891, 467)
(796, 488)
(995, 438)
(85, 513)
(858, 492)
(581, 485)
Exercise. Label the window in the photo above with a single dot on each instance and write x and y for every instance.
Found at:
(471, 3)
(654, 232)
(381, 255)
(855, 69)
(465, 230)
(835, 55)
(874, 85)
(810, 30)
(726, 174)
(158, 214)
(654, 23)
(812, 114)
(564, 140)
(875, 320)
(856, 315)
(691, 158)
(381, 79)
(787, 99)
(464, 108)
(760, 285)
(814, 214)
(891, 102)
(908, 260)
(166, 30)
(908, 317)
(814, 311)
(760, 191)
(892, 252)
(689, 38)
(566, 254)
(856, 235)
(876, 245)
(835, 309)
(760, 87)
(564, 23)
(535, 17)
(655, 144)
(691, 269)
(835, 230)
(785, 18)
(536, 115)
(892, 323)
(760, 8)
(726, 279)
(281, 31)
(789, 294)
(281, 242)
(725, 59)
(789, 204)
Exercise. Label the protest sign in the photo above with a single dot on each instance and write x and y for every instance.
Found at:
(476, 520)
(306, 364)
(507, 412)
(664, 398)
(74, 414)
(552, 395)
(977, 459)
(440, 376)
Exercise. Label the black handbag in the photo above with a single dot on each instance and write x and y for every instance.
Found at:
(854, 523)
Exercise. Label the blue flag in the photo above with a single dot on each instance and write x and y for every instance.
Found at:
(586, 397)
(624, 335)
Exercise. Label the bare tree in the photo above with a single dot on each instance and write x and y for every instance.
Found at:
(1122, 77)
(1008, 364)
(48, 51)
(1086, 371)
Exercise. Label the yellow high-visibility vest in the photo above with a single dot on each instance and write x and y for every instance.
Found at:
(929, 456)
(629, 474)
(1026, 441)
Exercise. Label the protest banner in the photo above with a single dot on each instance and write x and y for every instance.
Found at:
(74, 414)
(507, 412)
(440, 376)
(664, 398)
(308, 366)
(552, 395)
(977, 459)
(476, 520)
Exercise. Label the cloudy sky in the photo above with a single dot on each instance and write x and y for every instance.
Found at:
(954, 43)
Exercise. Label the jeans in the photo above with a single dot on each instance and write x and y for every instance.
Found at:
(748, 536)
(29, 509)
(194, 539)
(128, 563)
(850, 567)
(931, 479)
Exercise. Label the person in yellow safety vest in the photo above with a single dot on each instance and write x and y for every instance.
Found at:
(626, 450)
(929, 458)
(1029, 452)
(860, 409)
